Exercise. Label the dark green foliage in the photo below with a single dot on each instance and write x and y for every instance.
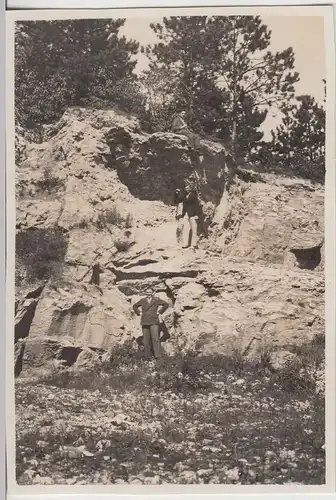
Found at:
(222, 74)
(68, 63)
(40, 251)
(158, 86)
(49, 182)
(303, 129)
(113, 217)
(126, 95)
(298, 144)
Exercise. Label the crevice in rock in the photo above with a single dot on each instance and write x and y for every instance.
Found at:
(24, 318)
(311, 322)
(35, 294)
(143, 262)
(210, 289)
(134, 287)
(127, 290)
(77, 308)
(18, 355)
(308, 258)
(122, 262)
(170, 294)
(122, 275)
(24, 315)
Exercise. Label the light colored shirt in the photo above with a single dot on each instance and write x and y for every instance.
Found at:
(179, 124)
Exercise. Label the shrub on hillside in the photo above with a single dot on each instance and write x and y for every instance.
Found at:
(51, 74)
(114, 218)
(49, 182)
(123, 243)
(307, 169)
(307, 370)
(38, 250)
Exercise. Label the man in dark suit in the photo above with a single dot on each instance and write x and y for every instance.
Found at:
(151, 307)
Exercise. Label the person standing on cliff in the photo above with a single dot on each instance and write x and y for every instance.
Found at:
(179, 197)
(192, 212)
(151, 308)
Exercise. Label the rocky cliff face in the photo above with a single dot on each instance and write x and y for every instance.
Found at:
(104, 190)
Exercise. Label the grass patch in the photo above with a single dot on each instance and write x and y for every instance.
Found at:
(182, 419)
(40, 251)
(49, 182)
(114, 217)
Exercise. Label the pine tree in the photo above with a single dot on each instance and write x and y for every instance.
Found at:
(302, 131)
(282, 136)
(299, 142)
(255, 78)
(187, 51)
(226, 78)
(158, 88)
(308, 132)
(63, 63)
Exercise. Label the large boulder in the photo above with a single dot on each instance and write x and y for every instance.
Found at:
(249, 305)
(271, 219)
(40, 352)
(87, 359)
(281, 359)
(84, 314)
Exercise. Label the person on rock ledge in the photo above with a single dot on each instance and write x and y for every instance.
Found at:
(180, 127)
(150, 322)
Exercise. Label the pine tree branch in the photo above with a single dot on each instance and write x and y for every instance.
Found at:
(254, 68)
(249, 89)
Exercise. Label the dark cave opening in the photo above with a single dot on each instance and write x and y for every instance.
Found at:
(308, 258)
(69, 354)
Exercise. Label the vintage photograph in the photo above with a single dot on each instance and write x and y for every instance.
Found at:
(170, 249)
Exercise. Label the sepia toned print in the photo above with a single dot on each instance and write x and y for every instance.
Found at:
(170, 251)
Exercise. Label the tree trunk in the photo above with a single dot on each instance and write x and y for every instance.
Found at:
(234, 96)
(234, 112)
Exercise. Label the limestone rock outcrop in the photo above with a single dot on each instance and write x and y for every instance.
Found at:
(256, 279)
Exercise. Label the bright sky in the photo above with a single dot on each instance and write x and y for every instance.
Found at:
(304, 34)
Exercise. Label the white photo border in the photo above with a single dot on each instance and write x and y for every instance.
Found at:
(15, 491)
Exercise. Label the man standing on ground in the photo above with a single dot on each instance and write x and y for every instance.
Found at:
(150, 322)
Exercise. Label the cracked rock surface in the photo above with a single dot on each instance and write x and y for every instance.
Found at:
(108, 187)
